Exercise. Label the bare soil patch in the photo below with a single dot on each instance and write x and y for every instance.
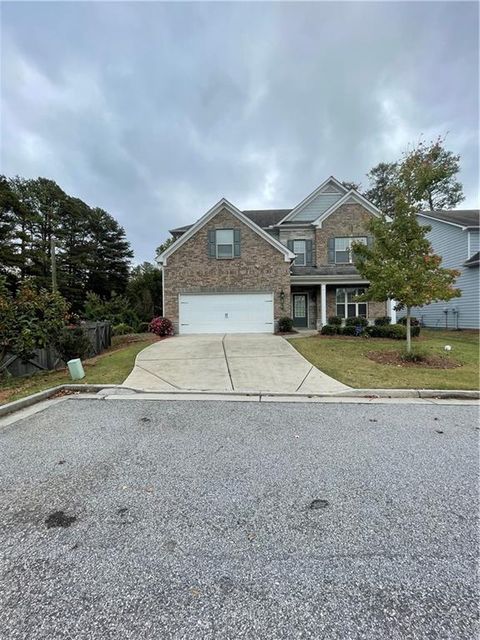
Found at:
(430, 361)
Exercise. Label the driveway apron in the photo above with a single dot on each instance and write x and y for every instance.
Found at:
(228, 362)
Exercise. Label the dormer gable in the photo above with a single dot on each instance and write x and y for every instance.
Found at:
(320, 200)
(350, 197)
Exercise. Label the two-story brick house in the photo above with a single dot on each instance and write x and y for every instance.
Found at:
(240, 271)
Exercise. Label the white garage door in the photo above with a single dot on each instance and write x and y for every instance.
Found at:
(226, 313)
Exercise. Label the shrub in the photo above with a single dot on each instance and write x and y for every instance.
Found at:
(382, 321)
(393, 331)
(122, 329)
(336, 320)
(143, 327)
(329, 330)
(356, 322)
(414, 322)
(32, 319)
(285, 324)
(416, 355)
(73, 343)
(348, 330)
(161, 326)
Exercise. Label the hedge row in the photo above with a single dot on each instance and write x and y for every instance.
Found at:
(393, 331)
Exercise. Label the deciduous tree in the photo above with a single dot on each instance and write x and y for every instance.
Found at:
(401, 265)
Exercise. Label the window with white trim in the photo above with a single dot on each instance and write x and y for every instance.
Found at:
(346, 305)
(224, 239)
(299, 248)
(343, 249)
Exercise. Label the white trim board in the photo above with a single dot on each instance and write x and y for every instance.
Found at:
(356, 197)
(311, 196)
(211, 213)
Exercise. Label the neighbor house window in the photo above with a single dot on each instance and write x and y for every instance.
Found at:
(224, 239)
(343, 248)
(346, 305)
(299, 248)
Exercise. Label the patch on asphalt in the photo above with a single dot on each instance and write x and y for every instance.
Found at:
(59, 519)
(145, 420)
(226, 584)
(124, 518)
(318, 503)
(170, 545)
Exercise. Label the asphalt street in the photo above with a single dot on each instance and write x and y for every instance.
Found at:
(191, 520)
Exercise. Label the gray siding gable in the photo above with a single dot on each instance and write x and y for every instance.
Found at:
(317, 206)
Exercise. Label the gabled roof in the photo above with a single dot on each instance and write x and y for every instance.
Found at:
(225, 204)
(473, 261)
(349, 196)
(464, 218)
(263, 217)
(266, 217)
(306, 201)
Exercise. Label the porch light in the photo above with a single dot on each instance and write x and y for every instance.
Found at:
(282, 299)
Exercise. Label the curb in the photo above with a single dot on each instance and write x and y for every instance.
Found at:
(454, 394)
(23, 403)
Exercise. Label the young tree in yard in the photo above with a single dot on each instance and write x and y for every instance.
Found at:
(401, 265)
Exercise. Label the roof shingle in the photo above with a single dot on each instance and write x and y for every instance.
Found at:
(462, 217)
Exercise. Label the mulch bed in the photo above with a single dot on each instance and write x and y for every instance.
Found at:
(430, 362)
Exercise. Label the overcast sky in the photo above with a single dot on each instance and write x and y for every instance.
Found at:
(154, 111)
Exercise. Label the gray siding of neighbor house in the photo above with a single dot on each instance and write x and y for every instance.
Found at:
(452, 244)
(474, 242)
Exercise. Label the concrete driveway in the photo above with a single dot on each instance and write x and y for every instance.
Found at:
(228, 362)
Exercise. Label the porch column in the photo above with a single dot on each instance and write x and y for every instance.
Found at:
(391, 311)
(323, 309)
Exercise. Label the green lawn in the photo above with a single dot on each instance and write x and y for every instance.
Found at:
(345, 359)
(111, 367)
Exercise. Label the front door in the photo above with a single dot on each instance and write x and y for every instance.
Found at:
(300, 310)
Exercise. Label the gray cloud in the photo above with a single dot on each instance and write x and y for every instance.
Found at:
(155, 110)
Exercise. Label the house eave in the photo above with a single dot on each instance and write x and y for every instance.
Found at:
(328, 279)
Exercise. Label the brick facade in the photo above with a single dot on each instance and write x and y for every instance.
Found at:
(260, 268)
(347, 220)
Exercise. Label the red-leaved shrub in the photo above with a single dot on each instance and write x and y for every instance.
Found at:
(161, 326)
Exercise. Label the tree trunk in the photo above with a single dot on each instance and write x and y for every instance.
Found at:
(409, 333)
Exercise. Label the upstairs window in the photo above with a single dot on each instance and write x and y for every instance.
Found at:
(299, 248)
(224, 240)
(343, 249)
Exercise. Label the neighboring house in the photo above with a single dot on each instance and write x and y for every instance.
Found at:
(240, 271)
(454, 236)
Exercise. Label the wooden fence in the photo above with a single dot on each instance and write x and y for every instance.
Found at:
(47, 359)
